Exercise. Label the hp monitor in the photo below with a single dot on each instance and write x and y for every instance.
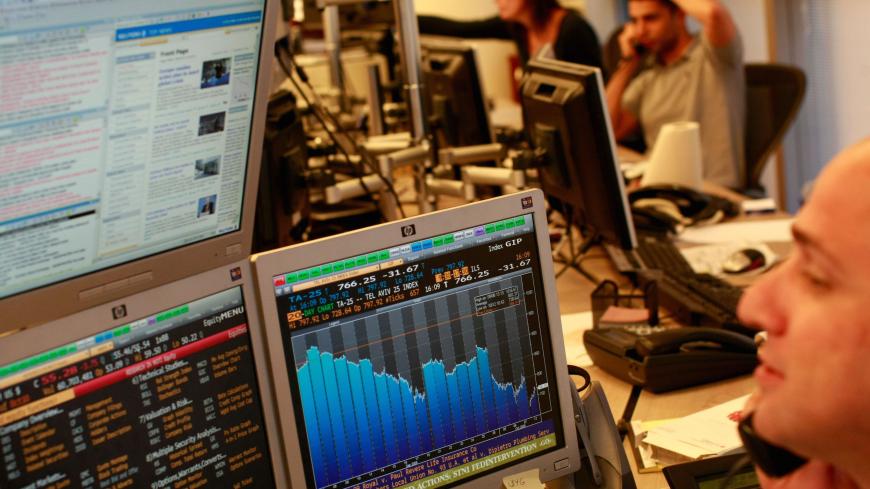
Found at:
(130, 136)
(422, 353)
(165, 388)
(564, 114)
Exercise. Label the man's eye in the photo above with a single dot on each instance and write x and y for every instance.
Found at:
(815, 280)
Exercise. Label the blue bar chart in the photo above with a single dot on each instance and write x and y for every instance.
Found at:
(383, 391)
(359, 420)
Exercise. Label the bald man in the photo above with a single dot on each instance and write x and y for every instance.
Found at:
(814, 378)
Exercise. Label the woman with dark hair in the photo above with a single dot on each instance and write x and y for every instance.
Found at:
(531, 24)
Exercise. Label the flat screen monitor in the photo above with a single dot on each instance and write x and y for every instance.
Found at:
(163, 389)
(564, 113)
(130, 138)
(422, 353)
(455, 97)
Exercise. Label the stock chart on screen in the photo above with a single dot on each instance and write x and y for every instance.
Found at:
(425, 364)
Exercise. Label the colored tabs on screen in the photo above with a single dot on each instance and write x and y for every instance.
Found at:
(379, 256)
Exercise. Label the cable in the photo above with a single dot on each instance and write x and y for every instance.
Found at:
(319, 117)
(367, 158)
(364, 154)
(580, 372)
(324, 124)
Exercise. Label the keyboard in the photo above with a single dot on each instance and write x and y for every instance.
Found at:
(661, 254)
(651, 253)
(697, 299)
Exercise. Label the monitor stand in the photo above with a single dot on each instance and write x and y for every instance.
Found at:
(603, 461)
(575, 260)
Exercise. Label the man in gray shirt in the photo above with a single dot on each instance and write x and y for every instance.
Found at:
(683, 77)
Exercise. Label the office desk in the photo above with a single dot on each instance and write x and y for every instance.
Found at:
(573, 290)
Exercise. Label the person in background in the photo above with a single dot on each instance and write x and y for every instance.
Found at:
(814, 378)
(668, 74)
(531, 24)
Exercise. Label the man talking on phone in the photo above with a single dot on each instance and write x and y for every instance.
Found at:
(813, 376)
(668, 74)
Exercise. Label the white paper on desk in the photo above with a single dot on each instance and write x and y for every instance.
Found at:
(767, 231)
(708, 432)
(573, 326)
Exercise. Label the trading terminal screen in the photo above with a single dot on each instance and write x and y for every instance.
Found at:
(124, 130)
(171, 400)
(426, 364)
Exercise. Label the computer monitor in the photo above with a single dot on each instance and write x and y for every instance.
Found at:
(165, 388)
(427, 351)
(565, 114)
(130, 140)
(455, 97)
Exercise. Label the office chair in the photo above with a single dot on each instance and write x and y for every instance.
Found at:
(774, 93)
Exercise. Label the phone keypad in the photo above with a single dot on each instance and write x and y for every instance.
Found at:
(644, 330)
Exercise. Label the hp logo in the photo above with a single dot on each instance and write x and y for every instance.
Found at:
(408, 230)
(119, 311)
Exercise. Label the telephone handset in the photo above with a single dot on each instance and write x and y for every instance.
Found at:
(639, 49)
(773, 460)
(683, 205)
(693, 339)
(663, 359)
(689, 201)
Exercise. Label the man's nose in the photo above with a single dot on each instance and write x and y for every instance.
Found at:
(640, 29)
(761, 306)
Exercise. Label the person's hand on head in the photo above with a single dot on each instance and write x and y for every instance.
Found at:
(627, 40)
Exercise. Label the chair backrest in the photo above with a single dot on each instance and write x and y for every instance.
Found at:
(774, 94)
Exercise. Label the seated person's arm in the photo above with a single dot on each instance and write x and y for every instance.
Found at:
(623, 120)
(491, 28)
(717, 23)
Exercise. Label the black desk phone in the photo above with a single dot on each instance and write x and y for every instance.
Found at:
(684, 206)
(717, 472)
(662, 359)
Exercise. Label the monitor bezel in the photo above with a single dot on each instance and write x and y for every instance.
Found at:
(441, 45)
(269, 264)
(28, 308)
(22, 344)
(591, 80)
